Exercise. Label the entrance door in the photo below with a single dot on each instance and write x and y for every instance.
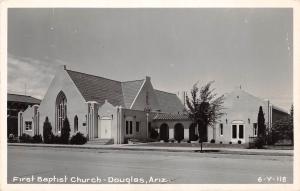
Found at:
(105, 128)
(237, 132)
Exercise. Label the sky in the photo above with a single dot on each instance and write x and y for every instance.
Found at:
(251, 48)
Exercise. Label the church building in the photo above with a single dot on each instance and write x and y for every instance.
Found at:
(111, 111)
(106, 109)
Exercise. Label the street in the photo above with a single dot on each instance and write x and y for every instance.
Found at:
(69, 165)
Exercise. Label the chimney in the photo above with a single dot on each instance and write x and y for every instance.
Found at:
(148, 78)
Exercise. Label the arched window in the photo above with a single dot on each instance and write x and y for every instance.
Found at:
(60, 110)
(75, 123)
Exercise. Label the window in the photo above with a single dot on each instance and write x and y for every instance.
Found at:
(75, 123)
(234, 131)
(221, 129)
(61, 110)
(255, 129)
(137, 126)
(28, 125)
(130, 127)
(241, 131)
(126, 127)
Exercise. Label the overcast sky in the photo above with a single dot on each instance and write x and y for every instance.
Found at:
(175, 47)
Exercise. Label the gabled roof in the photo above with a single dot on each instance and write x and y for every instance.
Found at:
(169, 102)
(22, 99)
(99, 89)
(95, 88)
(130, 90)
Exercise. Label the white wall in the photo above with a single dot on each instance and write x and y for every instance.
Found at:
(239, 106)
(75, 102)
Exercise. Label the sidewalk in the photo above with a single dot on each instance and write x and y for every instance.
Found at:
(133, 147)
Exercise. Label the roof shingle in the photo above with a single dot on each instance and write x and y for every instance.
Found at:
(95, 88)
(169, 116)
(169, 102)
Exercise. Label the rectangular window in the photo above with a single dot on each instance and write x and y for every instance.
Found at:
(241, 131)
(234, 131)
(126, 127)
(28, 125)
(221, 129)
(130, 127)
(137, 126)
(255, 129)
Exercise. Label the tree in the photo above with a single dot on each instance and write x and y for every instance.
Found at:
(65, 132)
(47, 131)
(261, 125)
(204, 108)
(284, 128)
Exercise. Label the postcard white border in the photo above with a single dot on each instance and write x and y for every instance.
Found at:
(148, 4)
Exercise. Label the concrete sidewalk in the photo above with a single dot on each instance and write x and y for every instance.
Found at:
(133, 147)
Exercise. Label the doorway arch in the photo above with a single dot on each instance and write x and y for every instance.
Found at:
(178, 132)
(164, 132)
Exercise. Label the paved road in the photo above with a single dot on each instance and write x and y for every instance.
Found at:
(99, 166)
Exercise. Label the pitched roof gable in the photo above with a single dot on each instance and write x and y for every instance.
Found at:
(99, 89)
(130, 90)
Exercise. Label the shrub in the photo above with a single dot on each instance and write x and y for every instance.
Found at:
(221, 142)
(212, 141)
(259, 142)
(47, 131)
(153, 134)
(230, 142)
(194, 137)
(25, 138)
(11, 138)
(189, 141)
(172, 140)
(65, 132)
(37, 139)
(78, 139)
(239, 142)
(56, 139)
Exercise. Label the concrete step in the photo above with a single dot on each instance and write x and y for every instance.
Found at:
(100, 142)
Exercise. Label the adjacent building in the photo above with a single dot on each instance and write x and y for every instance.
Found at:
(239, 123)
(15, 104)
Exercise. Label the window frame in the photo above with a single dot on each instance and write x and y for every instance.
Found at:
(221, 129)
(28, 122)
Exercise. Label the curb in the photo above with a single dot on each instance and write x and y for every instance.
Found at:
(194, 150)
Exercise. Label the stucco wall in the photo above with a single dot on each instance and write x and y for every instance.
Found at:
(75, 102)
(171, 124)
(135, 115)
(27, 115)
(239, 106)
(110, 111)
